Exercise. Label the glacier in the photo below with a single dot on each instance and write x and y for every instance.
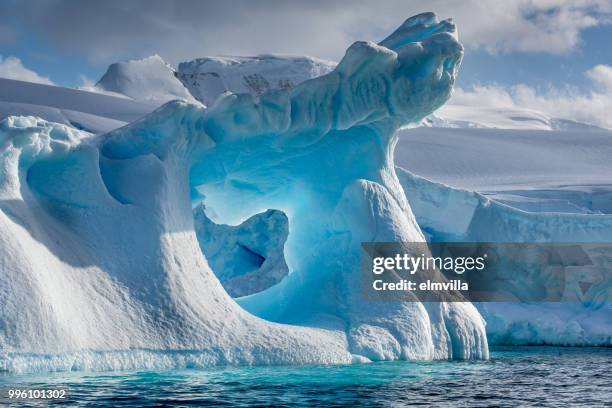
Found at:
(101, 267)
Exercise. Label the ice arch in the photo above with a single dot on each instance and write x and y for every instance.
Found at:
(99, 254)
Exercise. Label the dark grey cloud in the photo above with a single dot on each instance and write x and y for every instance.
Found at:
(109, 30)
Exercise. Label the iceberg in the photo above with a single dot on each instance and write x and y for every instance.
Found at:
(100, 264)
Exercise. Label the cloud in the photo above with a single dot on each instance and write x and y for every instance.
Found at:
(601, 75)
(12, 68)
(534, 26)
(179, 30)
(86, 82)
(591, 106)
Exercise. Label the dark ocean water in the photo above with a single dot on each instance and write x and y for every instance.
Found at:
(517, 376)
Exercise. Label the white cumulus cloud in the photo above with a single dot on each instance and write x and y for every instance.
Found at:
(12, 68)
(601, 75)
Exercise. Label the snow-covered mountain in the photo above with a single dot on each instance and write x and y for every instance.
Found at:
(129, 90)
(208, 77)
(150, 79)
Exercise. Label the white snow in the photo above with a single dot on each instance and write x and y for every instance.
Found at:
(84, 110)
(208, 77)
(560, 171)
(457, 115)
(493, 160)
(149, 79)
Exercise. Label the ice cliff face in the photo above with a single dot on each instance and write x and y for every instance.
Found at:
(100, 263)
(455, 215)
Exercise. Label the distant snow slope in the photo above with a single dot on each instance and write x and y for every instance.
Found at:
(208, 77)
(150, 79)
(562, 171)
(475, 116)
(88, 111)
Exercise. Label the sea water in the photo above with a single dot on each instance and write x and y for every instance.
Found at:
(514, 376)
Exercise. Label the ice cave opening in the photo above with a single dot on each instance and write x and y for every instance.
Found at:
(249, 257)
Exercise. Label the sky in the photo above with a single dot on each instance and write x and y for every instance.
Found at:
(529, 52)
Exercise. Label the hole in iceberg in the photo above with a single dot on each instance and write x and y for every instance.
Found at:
(247, 258)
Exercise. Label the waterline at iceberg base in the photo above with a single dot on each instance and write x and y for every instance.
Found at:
(513, 376)
(101, 268)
